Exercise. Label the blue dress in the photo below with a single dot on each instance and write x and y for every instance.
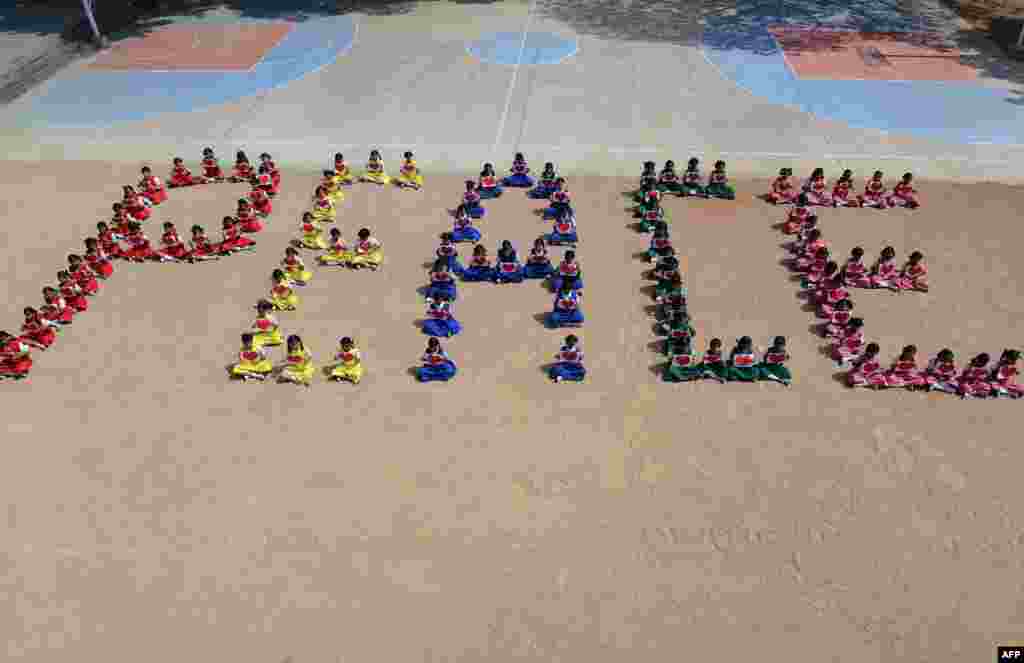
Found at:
(566, 311)
(569, 365)
(489, 189)
(538, 266)
(519, 178)
(451, 258)
(473, 206)
(563, 232)
(543, 190)
(465, 233)
(440, 321)
(510, 271)
(441, 286)
(436, 367)
(558, 278)
(481, 272)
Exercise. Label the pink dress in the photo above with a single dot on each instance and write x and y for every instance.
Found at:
(904, 374)
(1004, 383)
(974, 382)
(856, 274)
(874, 195)
(884, 275)
(941, 375)
(903, 195)
(849, 347)
(867, 373)
(817, 192)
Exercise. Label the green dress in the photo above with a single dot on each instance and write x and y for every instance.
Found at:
(718, 187)
(676, 332)
(713, 367)
(682, 367)
(772, 368)
(650, 216)
(673, 185)
(666, 289)
(691, 185)
(742, 368)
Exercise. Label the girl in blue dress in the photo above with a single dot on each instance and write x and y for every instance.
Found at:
(440, 321)
(488, 187)
(449, 253)
(564, 230)
(464, 230)
(471, 201)
(568, 362)
(560, 200)
(508, 268)
(546, 185)
(566, 311)
(437, 366)
(479, 268)
(520, 174)
(568, 273)
(441, 282)
(538, 265)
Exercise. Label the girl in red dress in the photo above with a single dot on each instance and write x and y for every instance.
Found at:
(275, 174)
(202, 248)
(914, 275)
(1003, 378)
(120, 220)
(816, 189)
(83, 274)
(973, 381)
(98, 262)
(71, 293)
(64, 313)
(15, 360)
(182, 176)
(855, 274)
(941, 372)
(135, 205)
(867, 370)
(107, 240)
(151, 186)
(875, 194)
(783, 191)
(211, 167)
(842, 313)
(904, 194)
(37, 331)
(850, 345)
(248, 222)
(171, 246)
(841, 191)
(139, 248)
(885, 273)
(265, 180)
(797, 216)
(233, 239)
(904, 372)
(242, 171)
(260, 200)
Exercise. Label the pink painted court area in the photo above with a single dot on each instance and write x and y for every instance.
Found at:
(824, 54)
(227, 47)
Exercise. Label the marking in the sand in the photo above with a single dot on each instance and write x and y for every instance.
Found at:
(512, 82)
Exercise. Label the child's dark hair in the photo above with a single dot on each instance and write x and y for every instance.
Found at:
(278, 275)
(916, 256)
(871, 349)
(571, 339)
(264, 306)
(569, 255)
(857, 253)
(479, 250)
(908, 351)
(247, 338)
(980, 360)
(294, 342)
(197, 229)
(440, 265)
(434, 343)
(855, 323)
(1010, 356)
(779, 342)
(364, 233)
(888, 252)
(945, 354)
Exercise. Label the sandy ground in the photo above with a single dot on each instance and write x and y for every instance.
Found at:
(154, 511)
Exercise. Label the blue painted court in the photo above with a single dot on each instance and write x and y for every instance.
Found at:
(510, 48)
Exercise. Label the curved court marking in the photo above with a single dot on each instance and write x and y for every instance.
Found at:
(94, 99)
(512, 83)
(745, 53)
(512, 49)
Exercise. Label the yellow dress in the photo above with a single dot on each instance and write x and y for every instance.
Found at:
(297, 271)
(284, 298)
(334, 192)
(343, 174)
(313, 237)
(349, 366)
(375, 173)
(299, 368)
(410, 175)
(324, 211)
(266, 333)
(337, 254)
(367, 253)
(252, 362)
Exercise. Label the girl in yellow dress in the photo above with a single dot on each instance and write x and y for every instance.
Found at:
(342, 171)
(338, 252)
(333, 187)
(266, 330)
(350, 363)
(281, 295)
(298, 367)
(323, 210)
(375, 170)
(295, 268)
(367, 252)
(312, 234)
(410, 176)
(252, 361)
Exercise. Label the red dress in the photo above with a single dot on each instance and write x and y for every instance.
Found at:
(973, 382)
(153, 189)
(1003, 380)
(248, 222)
(14, 359)
(867, 373)
(904, 373)
(109, 244)
(100, 265)
(72, 294)
(86, 279)
(139, 248)
(136, 209)
(172, 246)
(182, 176)
(795, 220)
(62, 313)
(275, 174)
(233, 240)
(37, 331)
(267, 184)
(242, 170)
(782, 191)
(201, 247)
(261, 202)
(212, 169)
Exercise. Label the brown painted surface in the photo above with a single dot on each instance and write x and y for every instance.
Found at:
(153, 511)
(228, 47)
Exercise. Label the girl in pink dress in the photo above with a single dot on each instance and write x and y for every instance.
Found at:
(914, 275)
(904, 372)
(904, 194)
(875, 193)
(1003, 378)
(855, 274)
(867, 371)
(885, 273)
(973, 381)
(941, 372)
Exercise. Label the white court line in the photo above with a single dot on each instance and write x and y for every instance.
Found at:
(512, 82)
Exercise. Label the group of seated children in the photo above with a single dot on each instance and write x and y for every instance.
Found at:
(265, 178)
(741, 365)
(689, 183)
(409, 174)
(815, 191)
(367, 251)
(980, 378)
(298, 367)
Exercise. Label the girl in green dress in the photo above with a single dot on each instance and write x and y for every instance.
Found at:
(742, 366)
(771, 366)
(718, 184)
(682, 365)
(713, 366)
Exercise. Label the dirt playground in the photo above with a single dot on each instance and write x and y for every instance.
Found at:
(155, 511)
